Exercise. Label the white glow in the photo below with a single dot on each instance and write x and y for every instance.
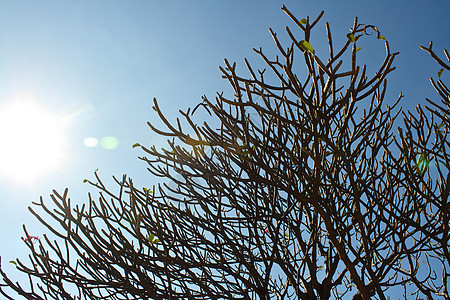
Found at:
(90, 142)
(31, 142)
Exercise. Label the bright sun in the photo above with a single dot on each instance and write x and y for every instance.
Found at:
(31, 142)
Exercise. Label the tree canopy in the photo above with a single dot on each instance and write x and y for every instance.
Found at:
(303, 186)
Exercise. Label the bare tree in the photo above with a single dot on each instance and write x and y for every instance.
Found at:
(303, 190)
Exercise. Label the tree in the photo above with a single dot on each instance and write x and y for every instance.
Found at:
(296, 194)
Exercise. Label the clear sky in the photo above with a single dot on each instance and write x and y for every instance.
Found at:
(96, 66)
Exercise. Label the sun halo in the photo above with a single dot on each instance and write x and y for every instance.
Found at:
(31, 141)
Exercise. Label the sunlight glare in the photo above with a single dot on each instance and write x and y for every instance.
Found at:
(31, 141)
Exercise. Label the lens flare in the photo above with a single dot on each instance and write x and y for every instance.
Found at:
(90, 142)
(109, 142)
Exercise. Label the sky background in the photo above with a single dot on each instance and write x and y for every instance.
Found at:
(97, 65)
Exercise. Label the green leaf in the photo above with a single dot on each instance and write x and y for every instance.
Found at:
(422, 163)
(303, 21)
(440, 73)
(151, 237)
(305, 46)
(319, 268)
(351, 37)
(380, 37)
(156, 241)
(357, 49)
(85, 180)
(286, 235)
(136, 145)
(13, 262)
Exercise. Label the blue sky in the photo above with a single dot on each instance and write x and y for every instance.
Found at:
(98, 65)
